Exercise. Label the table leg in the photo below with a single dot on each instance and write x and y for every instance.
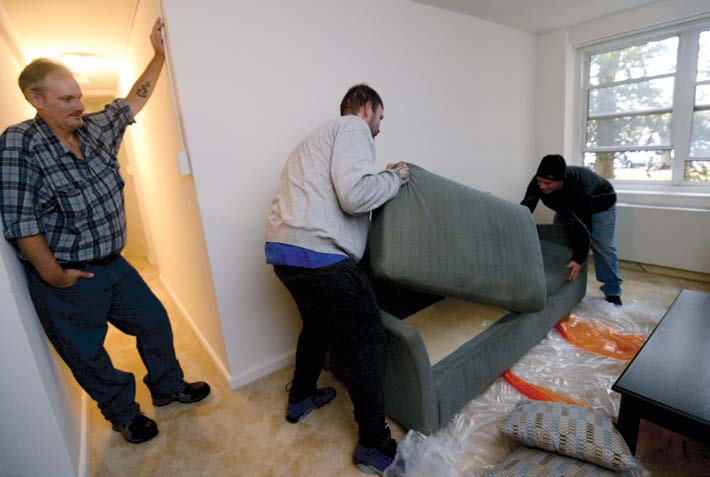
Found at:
(628, 423)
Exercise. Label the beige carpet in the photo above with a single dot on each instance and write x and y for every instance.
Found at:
(243, 432)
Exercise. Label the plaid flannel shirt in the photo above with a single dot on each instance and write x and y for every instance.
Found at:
(45, 189)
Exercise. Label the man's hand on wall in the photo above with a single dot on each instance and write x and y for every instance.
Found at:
(145, 85)
(156, 38)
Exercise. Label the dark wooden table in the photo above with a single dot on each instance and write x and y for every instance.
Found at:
(668, 382)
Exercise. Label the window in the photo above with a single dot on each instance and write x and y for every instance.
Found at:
(647, 114)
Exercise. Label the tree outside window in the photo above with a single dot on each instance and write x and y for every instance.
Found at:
(633, 110)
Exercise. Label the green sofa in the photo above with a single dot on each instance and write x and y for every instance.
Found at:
(438, 238)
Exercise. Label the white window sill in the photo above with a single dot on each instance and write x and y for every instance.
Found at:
(684, 197)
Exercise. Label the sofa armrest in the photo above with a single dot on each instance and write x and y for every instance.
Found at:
(555, 233)
(410, 398)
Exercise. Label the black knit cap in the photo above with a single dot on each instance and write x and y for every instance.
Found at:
(552, 167)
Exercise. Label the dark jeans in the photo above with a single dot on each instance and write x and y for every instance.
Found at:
(340, 315)
(76, 321)
(606, 262)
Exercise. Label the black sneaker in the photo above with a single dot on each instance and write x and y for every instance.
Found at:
(375, 460)
(297, 411)
(190, 392)
(615, 299)
(140, 429)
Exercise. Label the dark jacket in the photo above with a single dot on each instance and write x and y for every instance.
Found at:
(584, 193)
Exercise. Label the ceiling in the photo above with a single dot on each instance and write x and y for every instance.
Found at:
(538, 16)
(50, 28)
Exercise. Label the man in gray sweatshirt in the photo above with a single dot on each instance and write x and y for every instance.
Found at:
(316, 233)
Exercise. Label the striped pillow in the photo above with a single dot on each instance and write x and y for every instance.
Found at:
(575, 431)
(527, 462)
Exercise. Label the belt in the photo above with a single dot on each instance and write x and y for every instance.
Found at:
(101, 262)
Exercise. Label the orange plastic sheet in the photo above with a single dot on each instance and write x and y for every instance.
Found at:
(600, 338)
(538, 393)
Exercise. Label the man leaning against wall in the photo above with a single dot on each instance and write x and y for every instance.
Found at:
(62, 207)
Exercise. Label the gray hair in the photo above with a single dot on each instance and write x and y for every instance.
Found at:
(33, 76)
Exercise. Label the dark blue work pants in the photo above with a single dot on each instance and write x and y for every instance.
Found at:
(76, 321)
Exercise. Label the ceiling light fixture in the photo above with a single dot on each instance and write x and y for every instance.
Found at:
(84, 63)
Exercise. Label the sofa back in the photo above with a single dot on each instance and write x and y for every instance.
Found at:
(441, 237)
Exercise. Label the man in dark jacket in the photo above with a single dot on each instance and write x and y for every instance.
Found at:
(586, 202)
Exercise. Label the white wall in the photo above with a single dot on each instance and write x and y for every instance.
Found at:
(255, 77)
(41, 407)
(643, 231)
(168, 200)
(555, 108)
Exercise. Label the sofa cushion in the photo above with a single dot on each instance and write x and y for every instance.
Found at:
(526, 462)
(440, 237)
(576, 431)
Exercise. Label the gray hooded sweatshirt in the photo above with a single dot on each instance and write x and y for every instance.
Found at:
(328, 187)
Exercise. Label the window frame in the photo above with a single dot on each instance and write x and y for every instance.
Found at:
(682, 109)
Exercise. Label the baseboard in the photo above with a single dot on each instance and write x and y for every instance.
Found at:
(221, 367)
(263, 369)
(83, 470)
(675, 272)
(243, 378)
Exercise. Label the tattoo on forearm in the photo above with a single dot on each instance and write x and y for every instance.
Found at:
(142, 90)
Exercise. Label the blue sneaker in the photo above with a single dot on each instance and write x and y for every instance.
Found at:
(297, 411)
(375, 460)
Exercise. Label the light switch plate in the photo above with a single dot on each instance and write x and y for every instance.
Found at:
(184, 163)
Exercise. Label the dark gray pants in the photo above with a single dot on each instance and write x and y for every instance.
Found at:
(340, 314)
(76, 321)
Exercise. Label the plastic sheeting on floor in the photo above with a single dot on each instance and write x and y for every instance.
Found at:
(600, 338)
(472, 444)
(538, 393)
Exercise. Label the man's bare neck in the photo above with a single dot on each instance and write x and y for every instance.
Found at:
(68, 138)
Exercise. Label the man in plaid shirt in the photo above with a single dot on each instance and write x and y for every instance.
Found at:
(61, 200)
